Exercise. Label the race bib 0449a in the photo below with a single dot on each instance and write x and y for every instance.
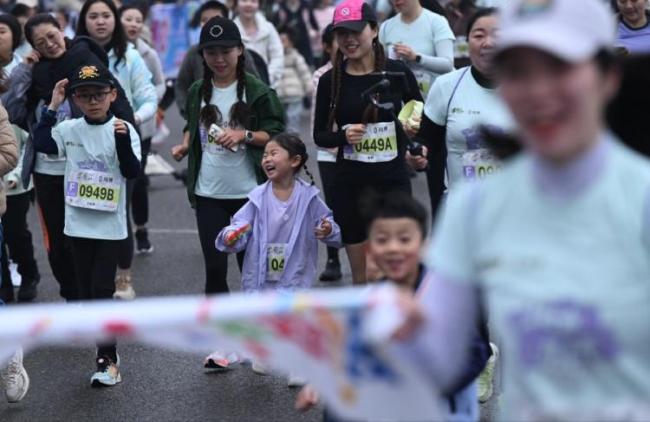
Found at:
(378, 145)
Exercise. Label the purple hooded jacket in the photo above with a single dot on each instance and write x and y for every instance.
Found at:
(301, 253)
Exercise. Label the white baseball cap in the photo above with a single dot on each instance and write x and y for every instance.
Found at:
(29, 3)
(572, 30)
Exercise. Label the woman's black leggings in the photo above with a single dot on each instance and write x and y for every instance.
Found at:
(126, 249)
(140, 206)
(327, 171)
(18, 238)
(51, 207)
(212, 215)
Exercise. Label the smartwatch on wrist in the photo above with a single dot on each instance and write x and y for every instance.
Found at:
(418, 58)
(249, 137)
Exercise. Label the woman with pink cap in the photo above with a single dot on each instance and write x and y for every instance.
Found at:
(372, 149)
(556, 246)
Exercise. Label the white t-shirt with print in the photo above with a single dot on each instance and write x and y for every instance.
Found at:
(565, 282)
(89, 150)
(471, 106)
(224, 174)
(421, 35)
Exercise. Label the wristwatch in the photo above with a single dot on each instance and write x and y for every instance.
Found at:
(418, 58)
(249, 137)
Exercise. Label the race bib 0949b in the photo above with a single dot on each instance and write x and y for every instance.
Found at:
(93, 189)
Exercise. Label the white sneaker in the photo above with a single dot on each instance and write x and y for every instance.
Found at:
(296, 381)
(123, 287)
(16, 379)
(259, 368)
(217, 360)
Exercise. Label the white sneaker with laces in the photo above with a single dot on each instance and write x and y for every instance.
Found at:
(123, 287)
(15, 378)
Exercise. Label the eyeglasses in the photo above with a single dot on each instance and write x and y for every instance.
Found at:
(96, 96)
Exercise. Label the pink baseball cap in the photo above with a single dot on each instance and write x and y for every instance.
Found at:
(353, 15)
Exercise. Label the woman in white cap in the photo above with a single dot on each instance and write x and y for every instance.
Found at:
(556, 246)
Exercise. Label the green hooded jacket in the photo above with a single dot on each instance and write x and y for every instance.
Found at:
(267, 114)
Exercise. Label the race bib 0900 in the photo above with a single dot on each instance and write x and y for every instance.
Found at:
(479, 163)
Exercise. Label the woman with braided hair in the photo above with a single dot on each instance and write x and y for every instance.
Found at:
(231, 115)
(372, 150)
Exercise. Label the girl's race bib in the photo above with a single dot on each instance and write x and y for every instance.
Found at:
(479, 163)
(378, 145)
(93, 190)
(275, 261)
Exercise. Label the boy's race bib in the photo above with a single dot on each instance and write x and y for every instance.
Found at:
(93, 190)
(275, 261)
(479, 163)
(378, 145)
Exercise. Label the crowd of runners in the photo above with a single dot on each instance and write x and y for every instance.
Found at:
(526, 116)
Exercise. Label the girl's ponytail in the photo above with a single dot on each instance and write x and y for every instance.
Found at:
(308, 173)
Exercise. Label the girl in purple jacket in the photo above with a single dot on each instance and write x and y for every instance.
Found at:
(280, 225)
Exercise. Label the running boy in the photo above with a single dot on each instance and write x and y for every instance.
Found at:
(397, 229)
(101, 153)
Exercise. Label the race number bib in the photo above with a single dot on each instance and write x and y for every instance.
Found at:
(93, 190)
(378, 145)
(275, 261)
(424, 81)
(479, 163)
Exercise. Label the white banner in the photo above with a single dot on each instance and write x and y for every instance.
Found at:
(335, 338)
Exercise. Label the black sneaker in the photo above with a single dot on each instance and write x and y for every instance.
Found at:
(143, 246)
(332, 271)
(27, 291)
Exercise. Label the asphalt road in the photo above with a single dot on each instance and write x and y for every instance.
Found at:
(158, 385)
